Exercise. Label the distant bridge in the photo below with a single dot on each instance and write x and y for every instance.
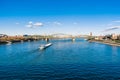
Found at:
(61, 34)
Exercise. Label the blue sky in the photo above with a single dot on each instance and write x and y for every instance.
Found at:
(59, 16)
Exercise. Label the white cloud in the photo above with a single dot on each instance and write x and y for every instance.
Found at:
(112, 28)
(34, 25)
(38, 24)
(30, 22)
(117, 21)
(57, 23)
(29, 26)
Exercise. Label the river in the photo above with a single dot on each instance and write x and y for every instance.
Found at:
(64, 60)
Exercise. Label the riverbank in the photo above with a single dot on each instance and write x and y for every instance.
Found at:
(6, 41)
(108, 42)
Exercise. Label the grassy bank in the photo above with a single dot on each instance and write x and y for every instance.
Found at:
(109, 42)
(6, 40)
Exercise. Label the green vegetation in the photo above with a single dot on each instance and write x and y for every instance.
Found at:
(90, 38)
(117, 41)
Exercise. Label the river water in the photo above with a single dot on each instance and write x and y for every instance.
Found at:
(64, 60)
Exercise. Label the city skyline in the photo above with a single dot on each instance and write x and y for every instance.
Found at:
(59, 16)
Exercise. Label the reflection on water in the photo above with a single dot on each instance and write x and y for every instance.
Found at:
(63, 60)
(114, 49)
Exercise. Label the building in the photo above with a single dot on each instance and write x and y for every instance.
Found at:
(114, 36)
(118, 37)
(3, 35)
(99, 38)
(90, 33)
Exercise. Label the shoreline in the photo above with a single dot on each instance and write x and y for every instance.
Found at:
(108, 43)
(28, 39)
(16, 41)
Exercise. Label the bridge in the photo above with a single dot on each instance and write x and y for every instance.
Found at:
(61, 35)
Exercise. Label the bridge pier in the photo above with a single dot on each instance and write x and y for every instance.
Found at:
(73, 39)
(47, 39)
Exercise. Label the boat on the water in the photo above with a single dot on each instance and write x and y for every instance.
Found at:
(45, 46)
(9, 43)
